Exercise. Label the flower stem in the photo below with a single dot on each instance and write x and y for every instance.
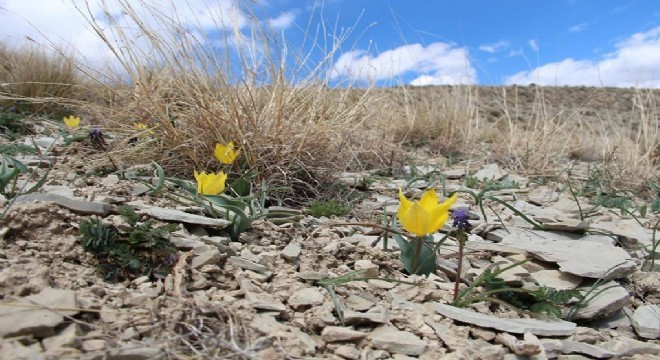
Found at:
(459, 265)
(418, 253)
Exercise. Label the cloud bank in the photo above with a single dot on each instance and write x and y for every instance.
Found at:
(634, 63)
(60, 23)
(435, 64)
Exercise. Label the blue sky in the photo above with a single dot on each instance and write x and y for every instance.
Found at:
(489, 42)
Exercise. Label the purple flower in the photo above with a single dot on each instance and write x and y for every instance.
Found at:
(461, 217)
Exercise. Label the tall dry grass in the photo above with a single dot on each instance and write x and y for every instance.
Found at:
(443, 118)
(293, 130)
(34, 79)
(532, 130)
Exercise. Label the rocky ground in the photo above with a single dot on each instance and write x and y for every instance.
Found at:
(262, 297)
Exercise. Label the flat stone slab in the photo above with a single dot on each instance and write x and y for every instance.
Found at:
(573, 256)
(606, 303)
(77, 206)
(646, 321)
(184, 217)
(399, 342)
(628, 231)
(490, 172)
(516, 326)
(37, 320)
(556, 279)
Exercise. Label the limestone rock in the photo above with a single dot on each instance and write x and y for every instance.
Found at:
(306, 298)
(572, 256)
(338, 333)
(347, 352)
(625, 347)
(37, 320)
(646, 321)
(516, 326)
(378, 317)
(399, 342)
(291, 252)
(264, 301)
(556, 279)
(78, 206)
(490, 172)
(239, 262)
(211, 257)
(184, 217)
(605, 303)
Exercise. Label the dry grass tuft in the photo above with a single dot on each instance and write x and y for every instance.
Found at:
(35, 80)
(443, 118)
(291, 132)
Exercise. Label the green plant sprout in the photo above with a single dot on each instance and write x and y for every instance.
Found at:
(532, 302)
(144, 249)
(332, 207)
(10, 169)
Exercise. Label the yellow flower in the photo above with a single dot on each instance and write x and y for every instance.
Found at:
(143, 129)
(140, 126)
(72, 121)
(226, 154)
(210, 184)
(425, 216)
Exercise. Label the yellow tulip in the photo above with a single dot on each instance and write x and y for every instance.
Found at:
(425, 216)
(143, 129)
(71, 121)
(226, 154)
(140, 126)
(210, 184)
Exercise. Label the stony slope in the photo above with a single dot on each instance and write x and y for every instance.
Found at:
(260, 297)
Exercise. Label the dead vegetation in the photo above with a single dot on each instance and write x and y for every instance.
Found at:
(293, 129)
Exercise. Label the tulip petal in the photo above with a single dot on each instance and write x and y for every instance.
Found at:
(199, 177)
(405, 203)
(416, 220)
(429, 200)
(449, 202)
(438, 219)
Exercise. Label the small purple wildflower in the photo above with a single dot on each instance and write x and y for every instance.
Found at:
(461, 217)
(96, 135)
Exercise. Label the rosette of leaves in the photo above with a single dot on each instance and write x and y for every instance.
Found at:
(490, 287)
(144, 249)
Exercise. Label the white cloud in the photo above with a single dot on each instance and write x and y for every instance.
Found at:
(635, 62)
(283, 21)
(433, 64)
(495, 47)
(534, 45)
(59, 22)
(578, 28)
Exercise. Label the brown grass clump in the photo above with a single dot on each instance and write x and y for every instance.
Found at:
(36, 80)
(533, 130)
(443, 118)
(292, 130)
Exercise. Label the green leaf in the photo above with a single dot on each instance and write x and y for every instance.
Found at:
(427, 257)
(7, 174)
(39, 183)
(241, 221)
(161, 177)
(240, 186)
